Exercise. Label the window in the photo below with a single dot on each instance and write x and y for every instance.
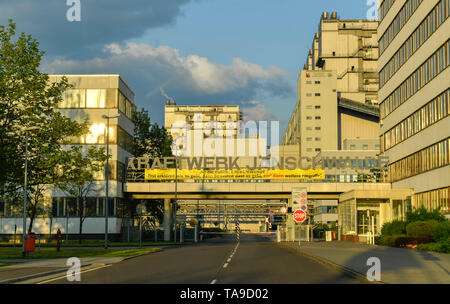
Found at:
(317, 118)
(308, 117)
(424, 74)
(317, 82)
(308, 107)
(317, 94)
(317, 138)
(365, 147)
(318, 149)
(95, 98)
(308, 138)
(317, 107)
(317, 128)
(429, 114)
(308, 82)
(73, 98)
(352, 147)
(427, 159)
(397, 24)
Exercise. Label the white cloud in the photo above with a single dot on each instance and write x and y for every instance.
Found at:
(190, 79)
(257, 111)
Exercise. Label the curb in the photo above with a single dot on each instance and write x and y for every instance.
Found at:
(347, 271)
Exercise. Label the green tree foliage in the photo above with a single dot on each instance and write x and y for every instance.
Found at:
(27, 99)
(80, 170)
(150, 139)
(393, 228)
(153, 141)
(423, 214)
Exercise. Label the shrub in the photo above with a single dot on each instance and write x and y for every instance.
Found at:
(441, 231)
(389, 240)
(421, 228)
(393, 228)
(422, 214)
(444, 246)
(403, 241)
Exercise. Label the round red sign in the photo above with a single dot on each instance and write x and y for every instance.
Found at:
(299, 216)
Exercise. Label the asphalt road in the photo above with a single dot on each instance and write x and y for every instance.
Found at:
(255, 260)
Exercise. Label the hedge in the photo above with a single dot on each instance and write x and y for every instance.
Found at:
(393, 228)
(421, 228)
(441, 231)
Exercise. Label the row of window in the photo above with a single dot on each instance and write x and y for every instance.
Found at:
(308, 107)
(97, 99)
(310, 118)
(430, 158)
(434, 199)
(325, 210)
(315, 82)
(397, 24)
(97, 135)
(435, 110)
(93, 207)
(310, 139)
(428, 26)
(310, 94)
(432, 67)
(384, 9)
(315, 128)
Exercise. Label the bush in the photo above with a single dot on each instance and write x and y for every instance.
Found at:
(444, 247)
(403, 241)
(389, 240)
(393, 228)
(421, 228)
(441, 231)
(422, 214)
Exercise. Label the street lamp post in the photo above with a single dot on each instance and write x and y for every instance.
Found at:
(106, 175)
(25, 188)
(176, 201)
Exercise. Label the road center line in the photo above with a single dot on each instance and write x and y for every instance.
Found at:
(225, 264)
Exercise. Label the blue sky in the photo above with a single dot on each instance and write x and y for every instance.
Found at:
(245, 52)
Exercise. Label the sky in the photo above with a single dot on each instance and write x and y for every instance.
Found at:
(198, 52)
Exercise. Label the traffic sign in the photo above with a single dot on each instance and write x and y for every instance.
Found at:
(299, 216)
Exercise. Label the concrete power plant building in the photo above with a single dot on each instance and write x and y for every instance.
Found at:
(337, 89)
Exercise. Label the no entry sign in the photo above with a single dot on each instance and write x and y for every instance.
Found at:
(299, 216)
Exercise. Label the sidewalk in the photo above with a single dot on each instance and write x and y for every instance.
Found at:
(32, 268)
(398, 265)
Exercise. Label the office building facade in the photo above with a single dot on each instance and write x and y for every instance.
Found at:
(414, 98)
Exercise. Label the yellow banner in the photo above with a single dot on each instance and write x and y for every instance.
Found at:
(195, 174)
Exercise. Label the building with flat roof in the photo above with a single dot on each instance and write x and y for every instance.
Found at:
(414, 98)
(91, 97)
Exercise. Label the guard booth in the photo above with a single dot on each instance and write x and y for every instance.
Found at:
(362, 211)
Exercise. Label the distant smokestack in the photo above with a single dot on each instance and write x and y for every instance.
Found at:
(325, 15)
(333, 15)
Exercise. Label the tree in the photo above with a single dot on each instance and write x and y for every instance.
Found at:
(153, 141)
(80, 171)
(27, 99)
(150, 139)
